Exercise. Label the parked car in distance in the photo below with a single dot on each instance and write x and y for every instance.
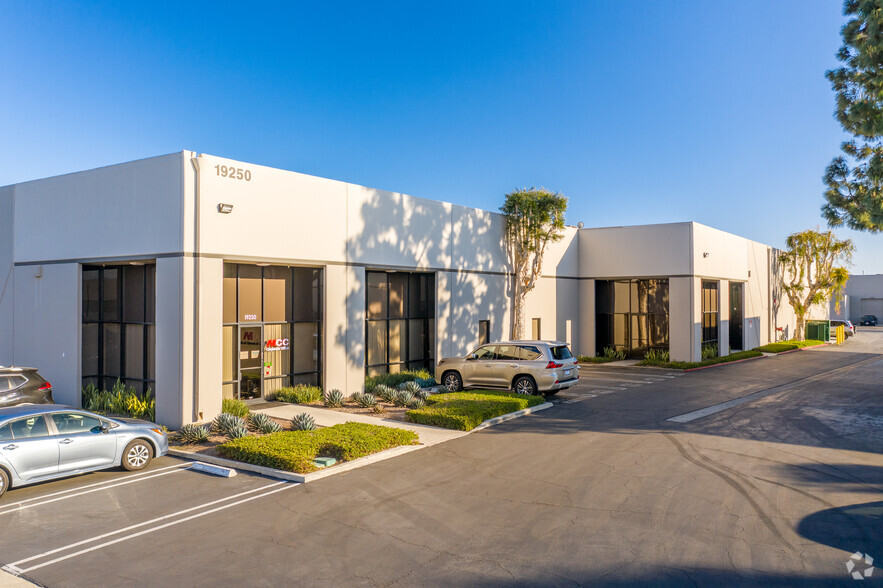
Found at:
(868, 320)
(847, 327)
(528, 367)
(19, 385)
(41, 442)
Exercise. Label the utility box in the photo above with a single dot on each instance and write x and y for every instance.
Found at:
(818, 330)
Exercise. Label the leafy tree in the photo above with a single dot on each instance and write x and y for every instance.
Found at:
(855, 179)
(534, 218)
(810, 274)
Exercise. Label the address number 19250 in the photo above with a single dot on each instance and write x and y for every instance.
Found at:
(234, 173)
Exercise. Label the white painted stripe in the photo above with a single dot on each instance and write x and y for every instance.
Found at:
(104, 487)
(129, 477)
(150, 522)
(155, 529)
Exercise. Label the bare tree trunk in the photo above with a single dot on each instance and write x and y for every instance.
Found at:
(517, 330)
(800, 329)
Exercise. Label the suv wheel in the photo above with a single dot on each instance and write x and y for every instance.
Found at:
(4, 481)
(525, 385)
(452, 381)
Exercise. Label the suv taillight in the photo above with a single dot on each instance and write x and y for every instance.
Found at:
(552, 365)
(46, 386)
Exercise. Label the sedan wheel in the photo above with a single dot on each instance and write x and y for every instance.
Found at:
(525, 385)
(452, 381)
(4, 482)
(137, 455)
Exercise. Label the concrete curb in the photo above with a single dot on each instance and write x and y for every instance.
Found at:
(346, 466)
(723, 363)
(512, 415)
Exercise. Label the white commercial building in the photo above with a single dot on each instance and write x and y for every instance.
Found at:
(202, 278)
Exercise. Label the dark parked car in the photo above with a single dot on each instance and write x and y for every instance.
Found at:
(868, 320)
(20, 385)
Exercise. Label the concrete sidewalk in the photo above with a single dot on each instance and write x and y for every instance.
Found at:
(326, 417)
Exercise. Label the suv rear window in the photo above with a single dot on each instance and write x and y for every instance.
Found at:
(560, 352)
(11, 382)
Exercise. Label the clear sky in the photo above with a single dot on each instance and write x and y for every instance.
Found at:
(639, 112)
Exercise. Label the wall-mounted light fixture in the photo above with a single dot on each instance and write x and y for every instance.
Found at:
(580, 225)
(225, 208)
(749, 273)
(705, 254)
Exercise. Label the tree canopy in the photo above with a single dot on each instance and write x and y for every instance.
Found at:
(854, 180)
(811, 274)
(534, 218)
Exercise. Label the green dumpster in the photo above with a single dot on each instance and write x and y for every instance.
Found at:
(818, 330)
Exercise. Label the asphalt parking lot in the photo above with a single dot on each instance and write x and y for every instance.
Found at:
(603, 488)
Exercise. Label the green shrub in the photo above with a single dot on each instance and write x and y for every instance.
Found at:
(387, 393)
(303, 422)
(122, 400)
(235, 407)
(191, 433)
(788, 346)
(403, 398)
(597, 359)
(334, 398)
(466, 410)
(295, 451)
(225, 422)
(365, 400)
(686, 365)
(300, 394)
(612, 354)
(394, 380)
(656, 357)
(709, 351)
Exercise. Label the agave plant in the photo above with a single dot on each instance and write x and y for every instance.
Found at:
(366, 400)
(334, 398)
(226, 422)
(194, 433)
(417, 402)
(238, 432)
(386, 393)
(270, 427)
(256, 420)
(422, 394)
(412, 387)
(441, 390)
(403, 398)
(303, 422)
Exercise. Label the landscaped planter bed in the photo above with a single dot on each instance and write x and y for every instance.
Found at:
(464, 411)
(294, 451)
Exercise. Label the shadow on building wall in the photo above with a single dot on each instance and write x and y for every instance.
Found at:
(463, 249)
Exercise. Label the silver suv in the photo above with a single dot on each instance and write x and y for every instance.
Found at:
(528, 367)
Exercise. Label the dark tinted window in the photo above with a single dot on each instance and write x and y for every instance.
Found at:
(507, 352)
(528, 352)
(5, 433)
(26, 428)
(560, 352)
(486, 352)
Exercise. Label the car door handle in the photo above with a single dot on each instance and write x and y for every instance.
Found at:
(66, 441)
(513, 365)
(12, 446)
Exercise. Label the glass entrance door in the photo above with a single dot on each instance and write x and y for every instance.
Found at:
(736, 316)
(251, 362)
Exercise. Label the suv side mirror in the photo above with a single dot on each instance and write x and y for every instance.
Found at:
(471, 356)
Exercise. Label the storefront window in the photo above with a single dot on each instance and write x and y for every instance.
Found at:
(631, 315)
(400, 329)
(710, 310)
(118, 334)
(281, 308)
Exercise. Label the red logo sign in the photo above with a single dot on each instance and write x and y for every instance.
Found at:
(276, 345)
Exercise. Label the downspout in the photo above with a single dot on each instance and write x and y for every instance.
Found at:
(196, 412)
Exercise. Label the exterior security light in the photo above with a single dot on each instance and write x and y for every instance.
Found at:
(225, 208)
(705, 254)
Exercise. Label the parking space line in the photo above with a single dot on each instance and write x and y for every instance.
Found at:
(104, 486)
(150, 522)
(15, 565)
(140, 475)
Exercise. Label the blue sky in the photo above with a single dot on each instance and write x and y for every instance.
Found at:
(639, 112)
